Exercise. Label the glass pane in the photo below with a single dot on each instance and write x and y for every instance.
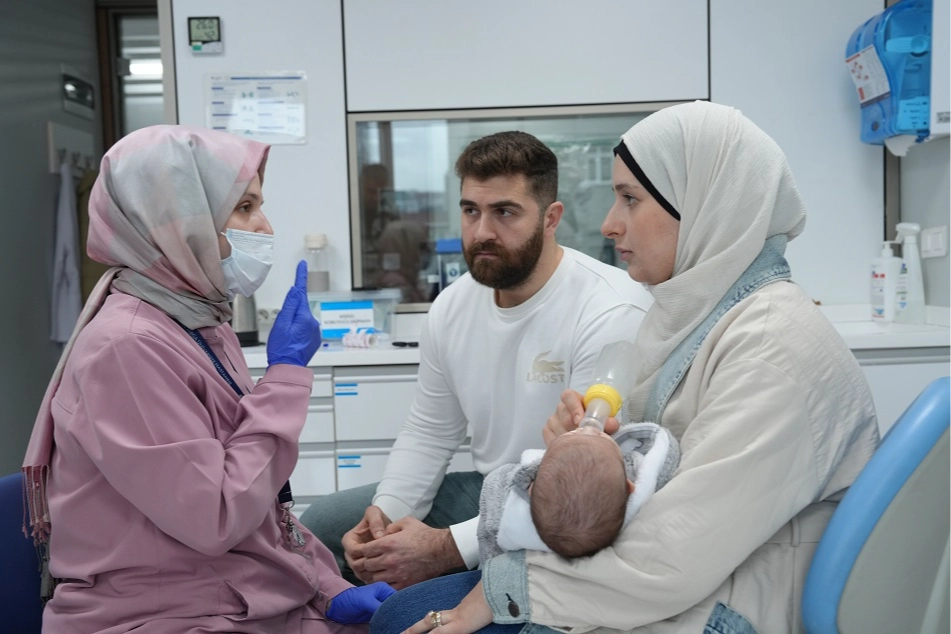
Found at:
(408, 193)
(141, 90)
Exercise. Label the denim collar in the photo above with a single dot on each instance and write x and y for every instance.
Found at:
(768, 267)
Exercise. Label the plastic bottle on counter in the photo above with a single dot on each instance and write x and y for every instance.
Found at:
(910, 292)
(318, 273)
(884, 284)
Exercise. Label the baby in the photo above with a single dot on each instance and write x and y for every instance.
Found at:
(575, 498)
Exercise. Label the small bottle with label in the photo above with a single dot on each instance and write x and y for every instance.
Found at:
(318, 274)
(884, 284)
(910, 290)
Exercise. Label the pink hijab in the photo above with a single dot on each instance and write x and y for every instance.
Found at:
(163, 194)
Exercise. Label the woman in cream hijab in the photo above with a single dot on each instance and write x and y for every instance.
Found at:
(773, 414)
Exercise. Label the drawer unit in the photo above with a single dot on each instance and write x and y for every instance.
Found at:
(372, 402)
(359, 466)
(319, 426)
(323, 383)
(365, 465)
(315, 473)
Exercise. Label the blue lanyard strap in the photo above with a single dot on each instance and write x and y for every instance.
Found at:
(285, 498)
(194, 334)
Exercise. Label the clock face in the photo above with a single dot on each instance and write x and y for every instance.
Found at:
(204, 29)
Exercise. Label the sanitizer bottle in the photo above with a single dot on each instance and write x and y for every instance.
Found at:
(910, 294)
(885, 271)
(614, 376)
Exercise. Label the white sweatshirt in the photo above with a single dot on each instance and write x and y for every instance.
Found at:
(501, 371)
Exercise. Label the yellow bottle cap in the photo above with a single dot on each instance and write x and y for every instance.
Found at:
(605, 392)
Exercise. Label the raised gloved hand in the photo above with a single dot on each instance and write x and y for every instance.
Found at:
(295, 335)
(357, 605)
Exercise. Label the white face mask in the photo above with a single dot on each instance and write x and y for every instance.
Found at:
(249, 263)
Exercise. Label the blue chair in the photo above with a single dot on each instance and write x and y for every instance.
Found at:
(21, 611)
(882, 565)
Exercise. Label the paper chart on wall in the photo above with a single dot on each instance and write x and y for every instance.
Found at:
(264, 106)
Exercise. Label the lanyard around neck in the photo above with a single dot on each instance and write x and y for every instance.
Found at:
(285, 498)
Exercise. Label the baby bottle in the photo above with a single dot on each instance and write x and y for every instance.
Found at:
(318, 275)
(613, 379)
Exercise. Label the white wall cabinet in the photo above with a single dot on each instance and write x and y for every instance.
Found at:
(432, 54)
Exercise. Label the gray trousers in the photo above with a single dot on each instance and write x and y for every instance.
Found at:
(457, 500)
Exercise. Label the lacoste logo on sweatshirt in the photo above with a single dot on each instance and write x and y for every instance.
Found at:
(545, 371)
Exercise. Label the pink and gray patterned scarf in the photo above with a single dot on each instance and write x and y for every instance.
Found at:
(163, 194)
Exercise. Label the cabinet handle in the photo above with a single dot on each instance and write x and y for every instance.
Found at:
(402, 378)
(320, 408)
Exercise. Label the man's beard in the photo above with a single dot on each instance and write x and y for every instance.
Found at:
(511, 267)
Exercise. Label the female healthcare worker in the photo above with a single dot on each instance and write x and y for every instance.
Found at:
(156, 472)
(773, 414)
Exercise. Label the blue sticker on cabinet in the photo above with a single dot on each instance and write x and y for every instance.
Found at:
(345, 389)
(348, 462)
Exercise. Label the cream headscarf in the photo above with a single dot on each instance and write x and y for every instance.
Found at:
(733, 188)
(163, 194)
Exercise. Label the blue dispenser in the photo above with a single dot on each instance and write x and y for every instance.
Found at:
(889, 58)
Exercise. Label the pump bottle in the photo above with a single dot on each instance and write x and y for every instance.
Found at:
(614, 375)
(884, 284)
(910, 294)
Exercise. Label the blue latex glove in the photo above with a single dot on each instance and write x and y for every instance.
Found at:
(295, 336)
(357, 605)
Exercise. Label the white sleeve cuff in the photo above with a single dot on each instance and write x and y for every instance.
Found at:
(467, 541)
(392, 507)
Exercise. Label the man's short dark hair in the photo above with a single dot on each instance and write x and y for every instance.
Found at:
(511, 154)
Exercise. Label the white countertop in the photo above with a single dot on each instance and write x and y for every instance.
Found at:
(335, 354)
(867, 335)
(859, 333)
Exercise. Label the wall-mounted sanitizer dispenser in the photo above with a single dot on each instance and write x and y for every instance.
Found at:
(892, 59)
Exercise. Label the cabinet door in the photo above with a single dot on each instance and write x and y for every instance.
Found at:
(314, 474)
(319, 426)
(433, 54)
(896, 385)
(357, 466)
(372, 402)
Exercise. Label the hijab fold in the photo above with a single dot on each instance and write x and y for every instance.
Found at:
(733, 188)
